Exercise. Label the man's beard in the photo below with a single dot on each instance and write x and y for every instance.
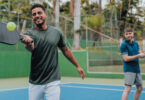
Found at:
(40, 25)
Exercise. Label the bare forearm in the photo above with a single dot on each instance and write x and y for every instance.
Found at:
(68, 54)
(130, 58)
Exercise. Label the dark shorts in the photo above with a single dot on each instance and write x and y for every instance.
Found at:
(133, 78)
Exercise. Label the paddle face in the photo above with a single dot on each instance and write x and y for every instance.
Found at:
(8, 37)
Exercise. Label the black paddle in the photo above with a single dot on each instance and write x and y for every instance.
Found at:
(8, 37)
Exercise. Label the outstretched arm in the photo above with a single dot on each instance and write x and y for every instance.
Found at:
(68, 54)
(127, 58)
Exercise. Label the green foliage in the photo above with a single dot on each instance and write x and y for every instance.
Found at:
(96, 21)
(126, 17)
(25, 10)
(64, 9)
(91, 9)
(138, 34)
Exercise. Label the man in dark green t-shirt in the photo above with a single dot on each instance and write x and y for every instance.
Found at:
(43, 41)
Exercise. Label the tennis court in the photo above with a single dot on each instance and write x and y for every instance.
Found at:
(76, 91)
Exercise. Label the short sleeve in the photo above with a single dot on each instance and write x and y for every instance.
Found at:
(123, 49)
(61, 42)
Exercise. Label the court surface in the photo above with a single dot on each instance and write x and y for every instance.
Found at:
(76, 91)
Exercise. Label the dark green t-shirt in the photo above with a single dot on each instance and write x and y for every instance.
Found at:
(44, 60)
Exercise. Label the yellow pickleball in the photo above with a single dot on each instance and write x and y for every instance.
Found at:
(11, 26)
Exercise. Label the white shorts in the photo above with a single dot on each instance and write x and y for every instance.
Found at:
(51, 91)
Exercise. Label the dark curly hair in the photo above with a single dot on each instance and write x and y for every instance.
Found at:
(37, 6)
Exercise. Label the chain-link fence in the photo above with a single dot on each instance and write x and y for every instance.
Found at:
(103, 47)
(104, 54)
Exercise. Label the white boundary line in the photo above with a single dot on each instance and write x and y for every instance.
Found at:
(65, 85)
(94, 88)
(106, 89)
(91, 84)
(12, 89)
(95, 84)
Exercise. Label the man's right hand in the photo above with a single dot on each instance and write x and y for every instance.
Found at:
(141, 55)
(81, 71)
(28, 42)
(26, 39)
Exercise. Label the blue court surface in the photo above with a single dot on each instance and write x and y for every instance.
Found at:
(76, 91)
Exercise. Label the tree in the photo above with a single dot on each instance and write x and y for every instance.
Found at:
(127, 16)
(77, 16)
(96, 22)
(85, 6)
(56, 12)
(90, 8)
(100, 6)
(112, 13)
(64, 9)
(72, 3)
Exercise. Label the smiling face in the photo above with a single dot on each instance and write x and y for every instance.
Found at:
(129, 35)
(39, 16)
